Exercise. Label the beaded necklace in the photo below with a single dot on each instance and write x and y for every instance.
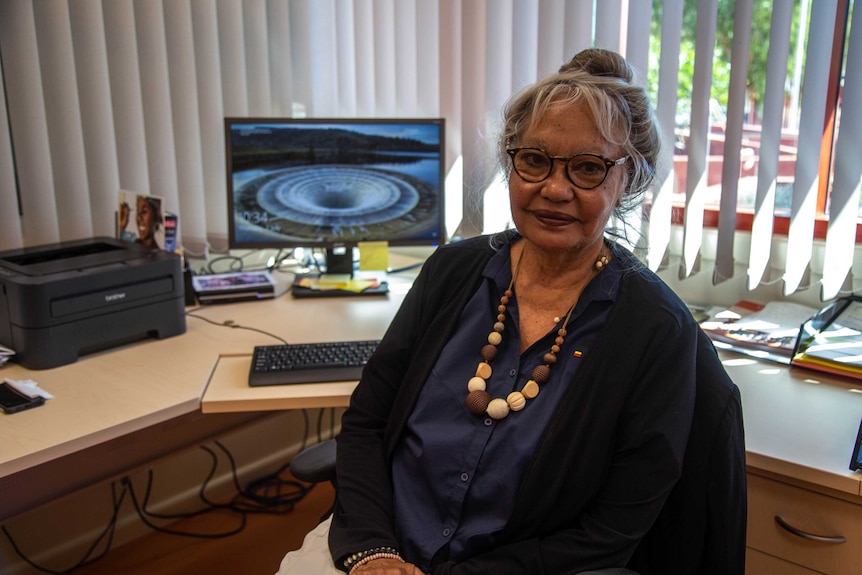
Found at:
(479, 401)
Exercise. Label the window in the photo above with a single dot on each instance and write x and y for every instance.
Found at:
(756, 140)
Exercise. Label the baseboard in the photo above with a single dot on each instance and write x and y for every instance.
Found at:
(57, 536)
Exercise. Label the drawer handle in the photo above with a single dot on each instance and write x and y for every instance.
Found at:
(810, 536)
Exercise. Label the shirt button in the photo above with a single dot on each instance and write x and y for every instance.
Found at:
(513, 372)
(446, 532)
(465, 476)
(489, 421)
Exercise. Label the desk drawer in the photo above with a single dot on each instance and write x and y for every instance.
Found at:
(807, 512)
(757, 563)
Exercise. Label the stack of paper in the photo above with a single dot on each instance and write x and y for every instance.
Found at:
(5, 354)
(767, 331)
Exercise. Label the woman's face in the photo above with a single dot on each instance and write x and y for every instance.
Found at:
(554, 214)
(145, 219)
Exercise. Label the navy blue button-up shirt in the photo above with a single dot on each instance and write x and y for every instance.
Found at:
(456, 474)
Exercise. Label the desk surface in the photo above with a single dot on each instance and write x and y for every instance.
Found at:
(799, 424)
(130, 388)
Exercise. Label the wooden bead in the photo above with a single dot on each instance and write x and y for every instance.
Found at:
(541, 373)
(476, 384)
(549, 358)
(489, 353)
(483, 370)
(558, 341)
(531, 389)
(499, 327)
(477, 401)
(516, 401)
(494, 338)
(601, 262)
(498, 408)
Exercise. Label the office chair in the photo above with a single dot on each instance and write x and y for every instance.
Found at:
(702, 526)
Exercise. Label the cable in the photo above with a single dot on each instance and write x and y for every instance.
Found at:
(405, 268)
(145, 515)
(268, 494)
(109, 531)
(232, 325)
(320, 414)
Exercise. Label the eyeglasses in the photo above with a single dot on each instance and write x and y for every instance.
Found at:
(586, 171)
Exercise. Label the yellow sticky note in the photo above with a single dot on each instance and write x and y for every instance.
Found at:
(373, 256)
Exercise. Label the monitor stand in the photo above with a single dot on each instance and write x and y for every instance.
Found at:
(338, 281)
(339, 261)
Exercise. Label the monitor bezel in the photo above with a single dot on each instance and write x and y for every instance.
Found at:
(233, 243)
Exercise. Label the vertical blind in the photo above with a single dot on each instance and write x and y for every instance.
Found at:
(103, 95)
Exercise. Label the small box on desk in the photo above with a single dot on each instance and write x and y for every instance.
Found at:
(235, 287)
(59, 301)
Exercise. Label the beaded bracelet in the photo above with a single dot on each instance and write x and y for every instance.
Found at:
(363, 557)
(372, 557)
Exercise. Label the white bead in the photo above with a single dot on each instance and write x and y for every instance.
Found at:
(476, 384)
(516, 401)
(498, 408)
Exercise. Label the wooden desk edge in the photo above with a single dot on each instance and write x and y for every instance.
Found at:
(227, 391)
(80, 444)
(849, 483)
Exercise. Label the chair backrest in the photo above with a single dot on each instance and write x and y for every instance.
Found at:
(701, 529)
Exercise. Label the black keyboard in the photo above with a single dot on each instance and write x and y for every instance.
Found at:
(309, 362)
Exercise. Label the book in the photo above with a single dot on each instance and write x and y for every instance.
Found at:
(141, 219)
(831, 340)
(768, 331)
(234, 287)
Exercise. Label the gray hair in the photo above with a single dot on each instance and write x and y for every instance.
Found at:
(604, 81)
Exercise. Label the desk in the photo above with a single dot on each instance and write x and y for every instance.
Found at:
(121, 408)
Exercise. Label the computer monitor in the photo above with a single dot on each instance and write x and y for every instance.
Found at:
(330, 183)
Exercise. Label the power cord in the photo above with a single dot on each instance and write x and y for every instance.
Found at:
(108, 532)
(271, 493)
(233, 325)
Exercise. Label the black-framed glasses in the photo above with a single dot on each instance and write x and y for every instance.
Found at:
(586, 171)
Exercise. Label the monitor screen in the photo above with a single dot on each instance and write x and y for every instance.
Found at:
(334, 182)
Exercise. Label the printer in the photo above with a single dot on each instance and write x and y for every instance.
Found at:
(61, 301)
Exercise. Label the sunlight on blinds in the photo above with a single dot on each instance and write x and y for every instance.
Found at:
(668, 81)
(844, 200)
(699, 133)
(730, 170)
(770, 141)
(804, 206)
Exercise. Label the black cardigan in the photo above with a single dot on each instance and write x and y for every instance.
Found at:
(609, 457)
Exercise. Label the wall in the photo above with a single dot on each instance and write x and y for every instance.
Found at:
(57, 535)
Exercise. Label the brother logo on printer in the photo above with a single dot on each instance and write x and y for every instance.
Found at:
(115, 297)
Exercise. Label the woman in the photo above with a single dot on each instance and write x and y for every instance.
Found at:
(527, 411)
(148, 218)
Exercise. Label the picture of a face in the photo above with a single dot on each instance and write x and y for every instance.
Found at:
(148, 218)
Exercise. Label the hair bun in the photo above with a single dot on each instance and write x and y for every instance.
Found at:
(600, 62)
